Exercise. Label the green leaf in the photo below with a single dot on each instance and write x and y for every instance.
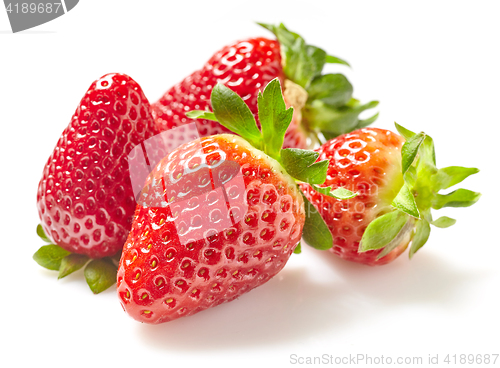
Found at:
(399, 238)
(339, 193)
(284, 36)
(299, 66)
(333, 89)
(269, 27)
(318, 58)
(416, 144)
(301, 62)
(452, 175)
(100, 274)
(199, 114)
(428, 153)
(458, 198)
(422, 232)
(405, 201)
(381, 231)
(50, 256)
(301, 165)
(368, 121)
(41, 234)
(71, 263)
(407, 134)
(336, 120)
(298, 249)
(233, 113)
(410, 150)
(411, 177)
(444, 222)
(274, 117)
(426, 164)
(335, 60)
(316, 232)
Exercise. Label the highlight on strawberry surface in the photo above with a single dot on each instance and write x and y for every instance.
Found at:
(323, 103)
(397, 185)
(220, 215)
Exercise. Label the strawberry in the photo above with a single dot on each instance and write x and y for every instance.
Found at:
(323, 103)
(396, 184)
(218, 216)
(85, 198)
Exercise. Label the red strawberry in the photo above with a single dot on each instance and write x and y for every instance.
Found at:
(218, 216)
(85, 198)
(397, 184)
(247, 66)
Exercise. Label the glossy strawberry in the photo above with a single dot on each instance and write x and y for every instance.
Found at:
(213, 241)
(397, 185)
(322, 102)
(218, 216)
(85, 198)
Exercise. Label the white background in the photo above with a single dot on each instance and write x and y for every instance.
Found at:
(433, 65)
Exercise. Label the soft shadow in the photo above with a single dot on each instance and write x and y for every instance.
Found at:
(290, 307)
(303, 302)
(425, 279)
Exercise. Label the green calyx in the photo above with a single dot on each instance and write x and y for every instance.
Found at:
(100, 274)
(330, 107)
(232, 112)
(412, 217)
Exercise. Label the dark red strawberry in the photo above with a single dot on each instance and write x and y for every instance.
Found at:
(218, 216)
(323, 103)
(397, 185)
(85, 198)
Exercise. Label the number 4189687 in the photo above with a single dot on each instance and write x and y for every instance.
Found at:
(32, 8)
(471, 359)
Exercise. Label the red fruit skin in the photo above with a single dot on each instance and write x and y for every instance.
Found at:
(245, 67)
(85, 199)
(178, 260)
(367, 161)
